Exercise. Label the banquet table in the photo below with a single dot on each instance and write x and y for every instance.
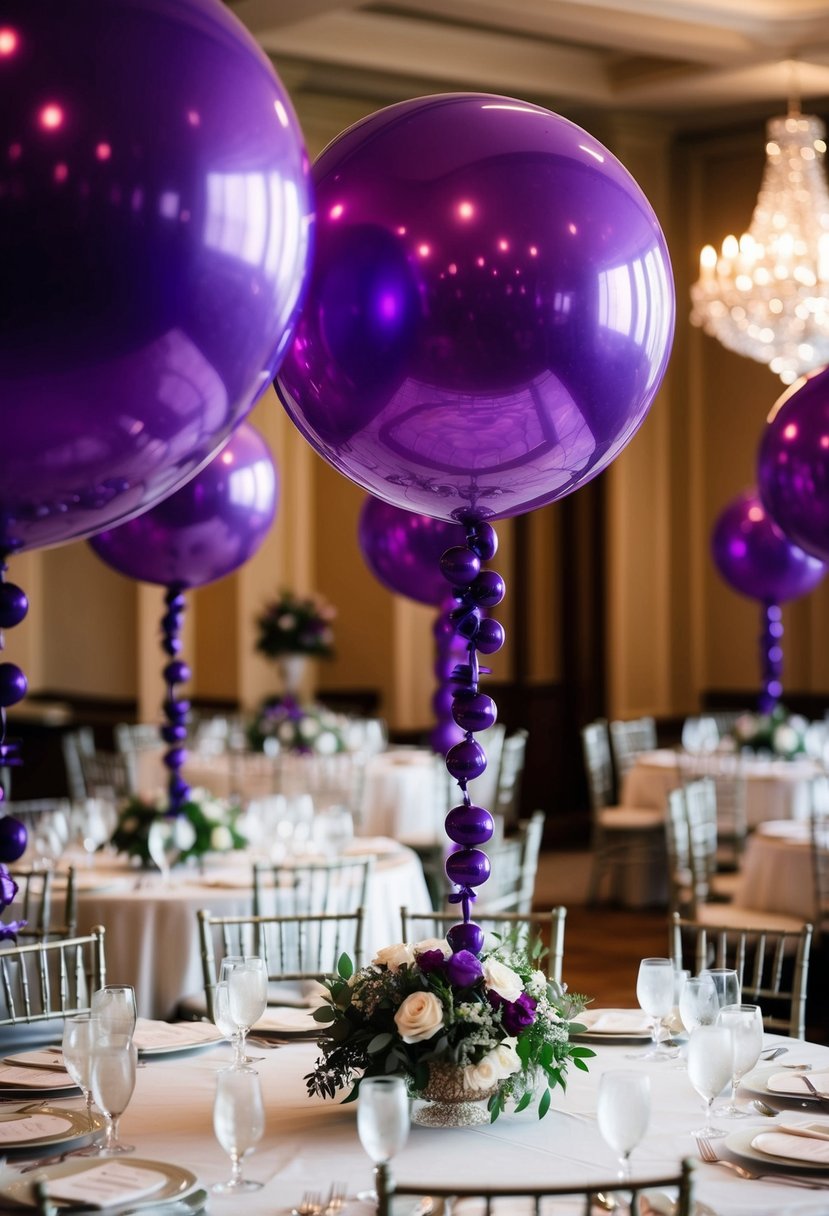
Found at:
(310, 1143)
(776, 873)
(775, 789)
(152, 939)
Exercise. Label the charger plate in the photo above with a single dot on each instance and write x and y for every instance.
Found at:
(20, 1191)
(76, 1131)
(756, 1083)
(739, 1144)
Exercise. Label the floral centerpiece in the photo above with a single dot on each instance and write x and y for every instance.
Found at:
(779, 733)
(285, 725)
(493, 1028)
(209, 825)
(293, 625)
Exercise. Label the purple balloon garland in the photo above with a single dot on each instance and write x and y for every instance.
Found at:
(13, 686)
(174, 730)
(466, 824)
(771, 658)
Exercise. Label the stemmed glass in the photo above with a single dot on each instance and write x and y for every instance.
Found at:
(225, 1023)
(746, 1022)
(79, 1036)
(710, 1065)
(655, 994)
(247, 991)
(239, 1123)
(727, 983)
(167, 839)
(382, 1121)
(114, 1060)
(114, 1008)
(623, 1111)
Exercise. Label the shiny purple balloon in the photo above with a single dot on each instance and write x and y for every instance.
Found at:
(490, 310)
(155, 202)
(793, 464)
(756, 559)
(403, 550)
(205, 530)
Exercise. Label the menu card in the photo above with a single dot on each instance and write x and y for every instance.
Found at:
(46, 1057)
(24, 1077)
(36, 1126)
(151, 1035)
(107, 1185)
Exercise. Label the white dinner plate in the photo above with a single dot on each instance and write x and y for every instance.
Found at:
(288, 1022)
(155, 1039)
(179, 1183)
(75, 1131)
(739, 1143)
(756, 1082)
(611, 1037)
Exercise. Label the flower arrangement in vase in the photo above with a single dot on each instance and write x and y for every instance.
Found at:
(462, 1030)
(779, 733)
(283, 725)
(206, 825)
(296, 625)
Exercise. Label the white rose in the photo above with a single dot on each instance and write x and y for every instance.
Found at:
(285, 732)
(309, 728)
(287, 621)
(507, 1057)
(432, 943)
(394, 957)
(327, 744)
(419, 1017)
(746, 726)
(483, 1075)
(503, 980)
(784, 741)
(221, 840)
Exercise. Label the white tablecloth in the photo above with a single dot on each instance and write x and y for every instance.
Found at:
(775, 789)
(152, 939)
(776, 874)
(308, 1144)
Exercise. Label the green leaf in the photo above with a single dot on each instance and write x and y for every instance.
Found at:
(324, 1014)
(546, 1057)
(379, 1042)
(582, 1052)
(544, 1104)
(523, 1049)
(345, 967)
(524, 1102)
(352, 1097)
(421, 1076)
(581, 1064)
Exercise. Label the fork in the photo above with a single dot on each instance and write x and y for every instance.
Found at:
(309, 1205)
(336, 1199)
(706, 1152)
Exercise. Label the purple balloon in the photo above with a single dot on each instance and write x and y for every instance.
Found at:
(793, 465)
(756, 559)
(14, 837)
(205, 530)
(403, 550)
(155, 203)
(490, 310)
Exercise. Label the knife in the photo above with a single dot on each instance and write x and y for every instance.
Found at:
(822, 1098)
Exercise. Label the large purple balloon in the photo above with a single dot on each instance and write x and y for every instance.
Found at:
(154, 232)
(205, 530)
(403, 550)
(793, 465)
(490, 311)
(756, 559)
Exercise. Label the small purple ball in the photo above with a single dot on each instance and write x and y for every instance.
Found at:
(490, 636)
(13, 838)
(172, 646)
(13, 684)
(468, 867)
(175, 710)
(475, 712)
(466, 760)
(175, 757)
(469, 824)
(488, 589)
(463, 969)
(484, 542)
(466, 935)
(177, 672)
(460, 566)
(13, 605)
(174, 733)
(178, 788)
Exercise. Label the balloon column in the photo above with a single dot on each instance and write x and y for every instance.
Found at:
(402, 550)
(756, 559)
(488, 319)
(204, 531)
(154, 234)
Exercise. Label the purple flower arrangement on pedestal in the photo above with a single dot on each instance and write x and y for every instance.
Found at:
(284, 725)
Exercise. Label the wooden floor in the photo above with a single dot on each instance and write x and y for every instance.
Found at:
(604, 943)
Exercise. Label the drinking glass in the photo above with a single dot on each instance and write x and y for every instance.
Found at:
(710, 1065)
(113, 1062)
(247, 990)
(698, 1004)
(224, 1022)
(727, 984)
(746, 1023)
(239, 1122)
(167, 839)
(114, 1007)
(623, 1110)
(382, 1120)
(79, 1036)
(655, 994)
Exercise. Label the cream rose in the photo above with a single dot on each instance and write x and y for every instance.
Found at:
(503, 980)
(483, 1075)
(221, 840)
(507, 1057)
(433, 943)
(419, 1017)
(394, 957)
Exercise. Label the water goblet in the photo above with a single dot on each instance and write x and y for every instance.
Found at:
(247, 989)
(623, 1111)
(727, 984)
(239, 1123)
(224, 1021)
(746, 1023)
(382, 1121)
(79, 1036)
(710, 1066)
(698, 1004)
(114, 1007)
(655, 994)
(113, 1063)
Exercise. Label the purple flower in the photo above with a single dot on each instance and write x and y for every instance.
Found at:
(430, 960)
(463, 969)
(8, 887)
(10, 931)
(515, 1015)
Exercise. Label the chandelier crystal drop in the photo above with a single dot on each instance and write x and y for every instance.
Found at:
(766, 295)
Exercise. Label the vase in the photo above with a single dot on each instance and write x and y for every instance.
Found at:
(292, 672)
(449, 1102)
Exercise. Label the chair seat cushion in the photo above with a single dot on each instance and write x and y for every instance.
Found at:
(631, 819)
(732, 916)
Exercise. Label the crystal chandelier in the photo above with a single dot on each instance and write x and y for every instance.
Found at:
(767, 295)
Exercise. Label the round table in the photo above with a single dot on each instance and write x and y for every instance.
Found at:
(776, 874)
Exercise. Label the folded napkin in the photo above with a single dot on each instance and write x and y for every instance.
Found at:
(287, 1021)
(151, 1035)
(792, 1082)
(26, 1077)
(45, 1057)
(615, 1021)
(800, 1147)
(107, 1185)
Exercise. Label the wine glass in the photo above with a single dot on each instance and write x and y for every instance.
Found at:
(113, 1062)
(655, 994)
(247, 990)
(623, 1111)
(746, 1022)
(224, 1021)
(114, 1007)
(382, 1121)
(168, 837)
(239, 1122)
(698, 1004)
(710, 1066)
(79, 1036)
(727, 984)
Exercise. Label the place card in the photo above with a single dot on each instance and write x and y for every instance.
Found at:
(33, 1127)
(47, 1057)
(107, 1185)
(25, 1077)
(152, 1036)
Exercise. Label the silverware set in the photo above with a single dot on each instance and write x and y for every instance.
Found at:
(708, 1154)
(312, 1203)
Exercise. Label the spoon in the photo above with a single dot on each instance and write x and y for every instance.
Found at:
(763, 1109)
